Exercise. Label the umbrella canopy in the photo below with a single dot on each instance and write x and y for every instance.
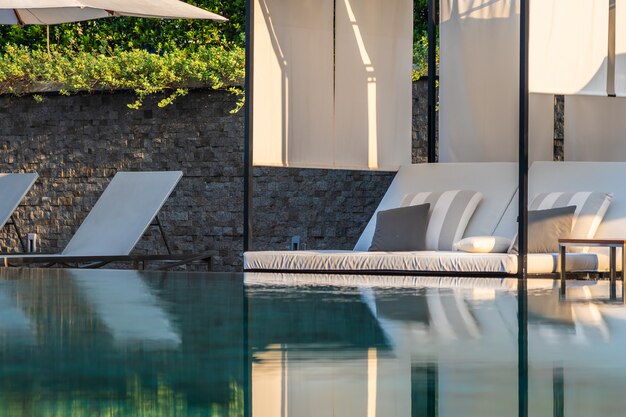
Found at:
(50, 12)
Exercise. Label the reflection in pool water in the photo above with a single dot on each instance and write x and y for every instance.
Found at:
(122, 343)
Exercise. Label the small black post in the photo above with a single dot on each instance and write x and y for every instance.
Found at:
(432, 81)
(248, 178)
(522, 235)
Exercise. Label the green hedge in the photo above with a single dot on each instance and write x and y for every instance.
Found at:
(24, 70)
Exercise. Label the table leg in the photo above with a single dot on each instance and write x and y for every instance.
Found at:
(562, 269)
(613, 271)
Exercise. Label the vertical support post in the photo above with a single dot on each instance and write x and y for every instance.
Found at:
(522, 233)
(248, 177)
(432, 81)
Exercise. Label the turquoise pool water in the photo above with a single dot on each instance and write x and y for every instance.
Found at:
(123, 343)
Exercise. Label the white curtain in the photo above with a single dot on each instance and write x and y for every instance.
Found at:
(332, 93)
(373, 92)
(568, 46)
(479, 86)
(293, 82)
(595, 128)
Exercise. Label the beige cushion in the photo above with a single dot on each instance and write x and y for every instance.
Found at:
(323, 260)
(450, 212)
(337, 261)
(483, 244)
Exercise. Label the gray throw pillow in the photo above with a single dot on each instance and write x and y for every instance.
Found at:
(401, 229)
(546, 227)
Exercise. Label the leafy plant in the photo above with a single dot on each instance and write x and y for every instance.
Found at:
(24, 70)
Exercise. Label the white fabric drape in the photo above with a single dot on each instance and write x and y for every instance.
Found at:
(293, 82)
(479, 86)
(595, 128)
(373, 93)
(568, 46)
(345, 105)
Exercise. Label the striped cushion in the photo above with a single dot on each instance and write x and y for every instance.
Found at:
(590, 210)
(450, 212)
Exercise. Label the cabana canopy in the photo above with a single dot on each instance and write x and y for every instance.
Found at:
(330, 87)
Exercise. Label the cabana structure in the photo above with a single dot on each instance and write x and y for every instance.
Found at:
(328, 86)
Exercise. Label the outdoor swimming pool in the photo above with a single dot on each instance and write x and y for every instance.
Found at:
(124, 343)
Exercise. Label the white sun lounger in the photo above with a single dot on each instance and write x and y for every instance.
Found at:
(13, 188)
(117, 222)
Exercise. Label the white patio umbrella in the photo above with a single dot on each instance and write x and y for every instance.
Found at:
(50, 12)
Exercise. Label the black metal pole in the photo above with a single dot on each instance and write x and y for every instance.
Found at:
(432, 81)
(248, 178)
(522, 233)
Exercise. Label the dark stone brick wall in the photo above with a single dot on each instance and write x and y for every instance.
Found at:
(77, 143)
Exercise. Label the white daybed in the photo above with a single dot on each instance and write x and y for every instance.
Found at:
(495, 216)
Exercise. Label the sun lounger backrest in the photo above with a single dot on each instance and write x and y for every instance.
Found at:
(122, 213)
(13, 188)
(586, 176)
(497, 181)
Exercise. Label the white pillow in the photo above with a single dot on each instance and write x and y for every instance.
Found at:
(483, 244)
(450, 212)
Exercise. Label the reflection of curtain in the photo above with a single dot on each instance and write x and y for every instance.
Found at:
(321, 104)
(568, 46)
(479, 85)
(595, 128)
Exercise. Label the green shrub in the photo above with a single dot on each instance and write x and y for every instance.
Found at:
(24, 70)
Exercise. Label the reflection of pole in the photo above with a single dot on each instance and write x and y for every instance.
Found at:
(247, 363)
(522, 233)
(558, 392)
(424, 390)
(432, 81)
(248, 183)
(431, 390)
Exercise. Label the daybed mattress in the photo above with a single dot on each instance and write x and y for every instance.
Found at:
(437, 261)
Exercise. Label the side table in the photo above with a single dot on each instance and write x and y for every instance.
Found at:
(612, 244)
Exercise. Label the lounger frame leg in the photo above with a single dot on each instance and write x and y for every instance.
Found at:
(562, 269)
(613, 272)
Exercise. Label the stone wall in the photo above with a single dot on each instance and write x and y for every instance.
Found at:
(77, 143)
